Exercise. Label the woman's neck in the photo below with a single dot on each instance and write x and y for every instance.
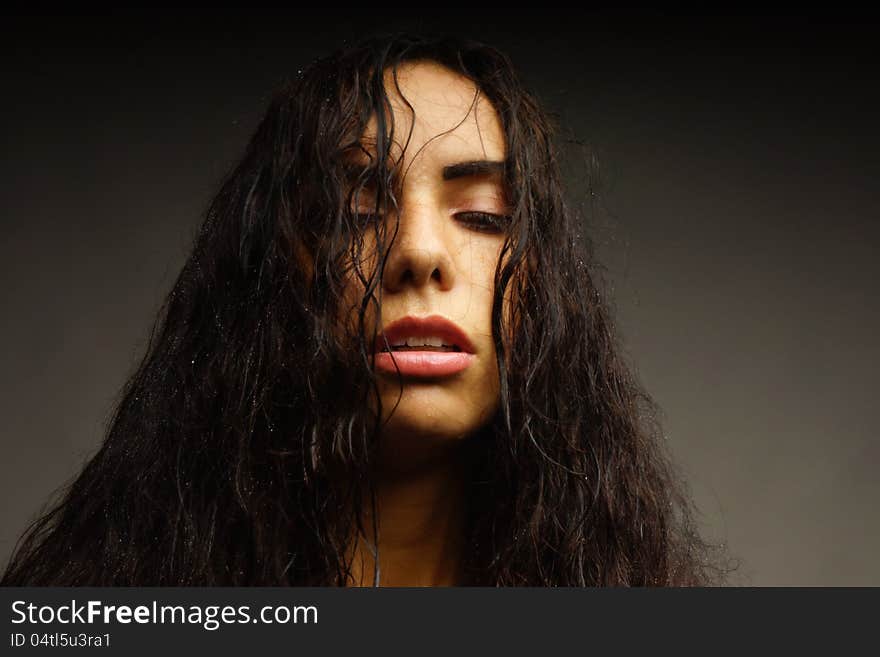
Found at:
(421, 522)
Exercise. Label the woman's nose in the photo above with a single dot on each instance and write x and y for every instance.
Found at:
(420, 253)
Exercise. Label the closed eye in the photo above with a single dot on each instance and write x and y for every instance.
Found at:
(483, 222)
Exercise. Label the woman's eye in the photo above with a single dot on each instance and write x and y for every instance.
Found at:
(485, 222)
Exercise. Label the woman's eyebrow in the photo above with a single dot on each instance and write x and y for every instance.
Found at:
(355, 168)
(472, 168)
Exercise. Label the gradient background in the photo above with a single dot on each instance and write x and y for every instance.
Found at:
(739, 229)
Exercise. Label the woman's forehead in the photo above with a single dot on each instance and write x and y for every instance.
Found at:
(438, 114)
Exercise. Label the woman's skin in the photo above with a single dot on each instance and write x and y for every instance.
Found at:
(442, 262)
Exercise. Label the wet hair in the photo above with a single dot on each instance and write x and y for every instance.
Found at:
(241, 450)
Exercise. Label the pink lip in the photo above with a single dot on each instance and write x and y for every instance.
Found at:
(424, 363)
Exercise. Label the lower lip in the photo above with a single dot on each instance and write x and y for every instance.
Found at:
(423, 363)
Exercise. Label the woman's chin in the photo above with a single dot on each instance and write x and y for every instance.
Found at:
(417, 440)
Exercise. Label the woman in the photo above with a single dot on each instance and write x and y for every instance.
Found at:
(385, 362)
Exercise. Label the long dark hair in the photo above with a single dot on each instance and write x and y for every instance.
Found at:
(240, 449)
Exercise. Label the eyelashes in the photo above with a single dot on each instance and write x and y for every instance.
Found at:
(481, 222)
(484, 222)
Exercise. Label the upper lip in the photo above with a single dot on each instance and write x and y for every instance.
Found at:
(433, 325)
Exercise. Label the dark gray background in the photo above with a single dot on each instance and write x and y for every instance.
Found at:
(740, 167)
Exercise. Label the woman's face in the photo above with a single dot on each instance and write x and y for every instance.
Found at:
(440, 269)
